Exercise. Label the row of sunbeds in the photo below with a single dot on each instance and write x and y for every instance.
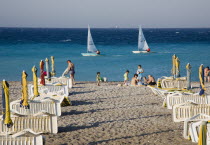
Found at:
(189, 107)
(28, 124)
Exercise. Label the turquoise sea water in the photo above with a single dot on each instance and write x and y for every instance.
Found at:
(21, 48)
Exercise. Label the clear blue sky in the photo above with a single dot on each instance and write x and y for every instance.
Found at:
(104, 13)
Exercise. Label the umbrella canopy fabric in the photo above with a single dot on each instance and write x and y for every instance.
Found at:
(202, 134)
(5, 95)
(42, 73)
(35, 82)
(177, 64)
(173, 71)
(53, 66)
(24, 100)
(201, 78)
(188, 67)
(47, 68)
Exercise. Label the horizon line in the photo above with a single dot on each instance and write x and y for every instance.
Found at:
(109, 27)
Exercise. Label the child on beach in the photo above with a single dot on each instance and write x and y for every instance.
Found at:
(126, 77)
(139, 72)
(98, 78)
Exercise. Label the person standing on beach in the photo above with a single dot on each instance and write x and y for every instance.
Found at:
(139, 72)
(71, 70)
(207, 74)
(126, 78)
(98, 78)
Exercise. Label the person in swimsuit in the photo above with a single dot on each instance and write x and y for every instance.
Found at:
(151, 80)
(139, 72)
(134, 80)
(71, 69)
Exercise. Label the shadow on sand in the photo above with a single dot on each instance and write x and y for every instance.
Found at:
(96, 124)
(77, 103)
(127, 137)
(85, 92)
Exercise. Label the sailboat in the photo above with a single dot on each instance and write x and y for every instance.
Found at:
(91, 48)
(142, 43)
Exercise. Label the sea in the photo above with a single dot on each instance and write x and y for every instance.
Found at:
(22, 48)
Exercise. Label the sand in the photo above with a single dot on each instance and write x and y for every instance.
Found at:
(112, 115)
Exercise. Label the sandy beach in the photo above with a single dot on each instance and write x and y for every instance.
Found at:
(112, 115)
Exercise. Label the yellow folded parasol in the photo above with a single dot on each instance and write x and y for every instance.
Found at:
(35, 81)
(5, 95)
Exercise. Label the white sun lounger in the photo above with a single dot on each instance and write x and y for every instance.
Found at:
(63, 80)
(160, 92)
(39, 122)
(25, 137)
(169, 82)
(184, 111)
(192, 126)
(49, 105)
(58, 93)
(179, 98)
(163, 93)
(51, 90)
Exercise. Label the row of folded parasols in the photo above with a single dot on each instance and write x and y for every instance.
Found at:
(192, 108)
(24, 120)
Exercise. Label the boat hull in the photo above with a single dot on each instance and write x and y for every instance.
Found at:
(140, 52)
(90, 54)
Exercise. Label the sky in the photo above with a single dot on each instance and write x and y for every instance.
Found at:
(105, 13)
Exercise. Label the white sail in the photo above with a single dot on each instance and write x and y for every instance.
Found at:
(90, 44)
(142, 43)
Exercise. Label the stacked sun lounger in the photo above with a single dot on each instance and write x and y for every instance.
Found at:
(194, 110)
(58, 93)
(47, 105)
(25, 137)
(62, 80)
(181, 112)
(170, 82)
(40, 117)
(38, 123)
(179, 98)
(191, 108)
(193, 125)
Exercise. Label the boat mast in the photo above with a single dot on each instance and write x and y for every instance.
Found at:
(139, 38)
(88, 37)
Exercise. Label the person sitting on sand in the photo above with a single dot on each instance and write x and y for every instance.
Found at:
(151, 80)
(206, 74)
(134, 80)
(126, 77)
(144, 81)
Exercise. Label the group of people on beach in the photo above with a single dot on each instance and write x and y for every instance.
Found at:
(138, 78)
(207, 74)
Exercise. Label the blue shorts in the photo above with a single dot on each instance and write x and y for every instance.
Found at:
(72, 72)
